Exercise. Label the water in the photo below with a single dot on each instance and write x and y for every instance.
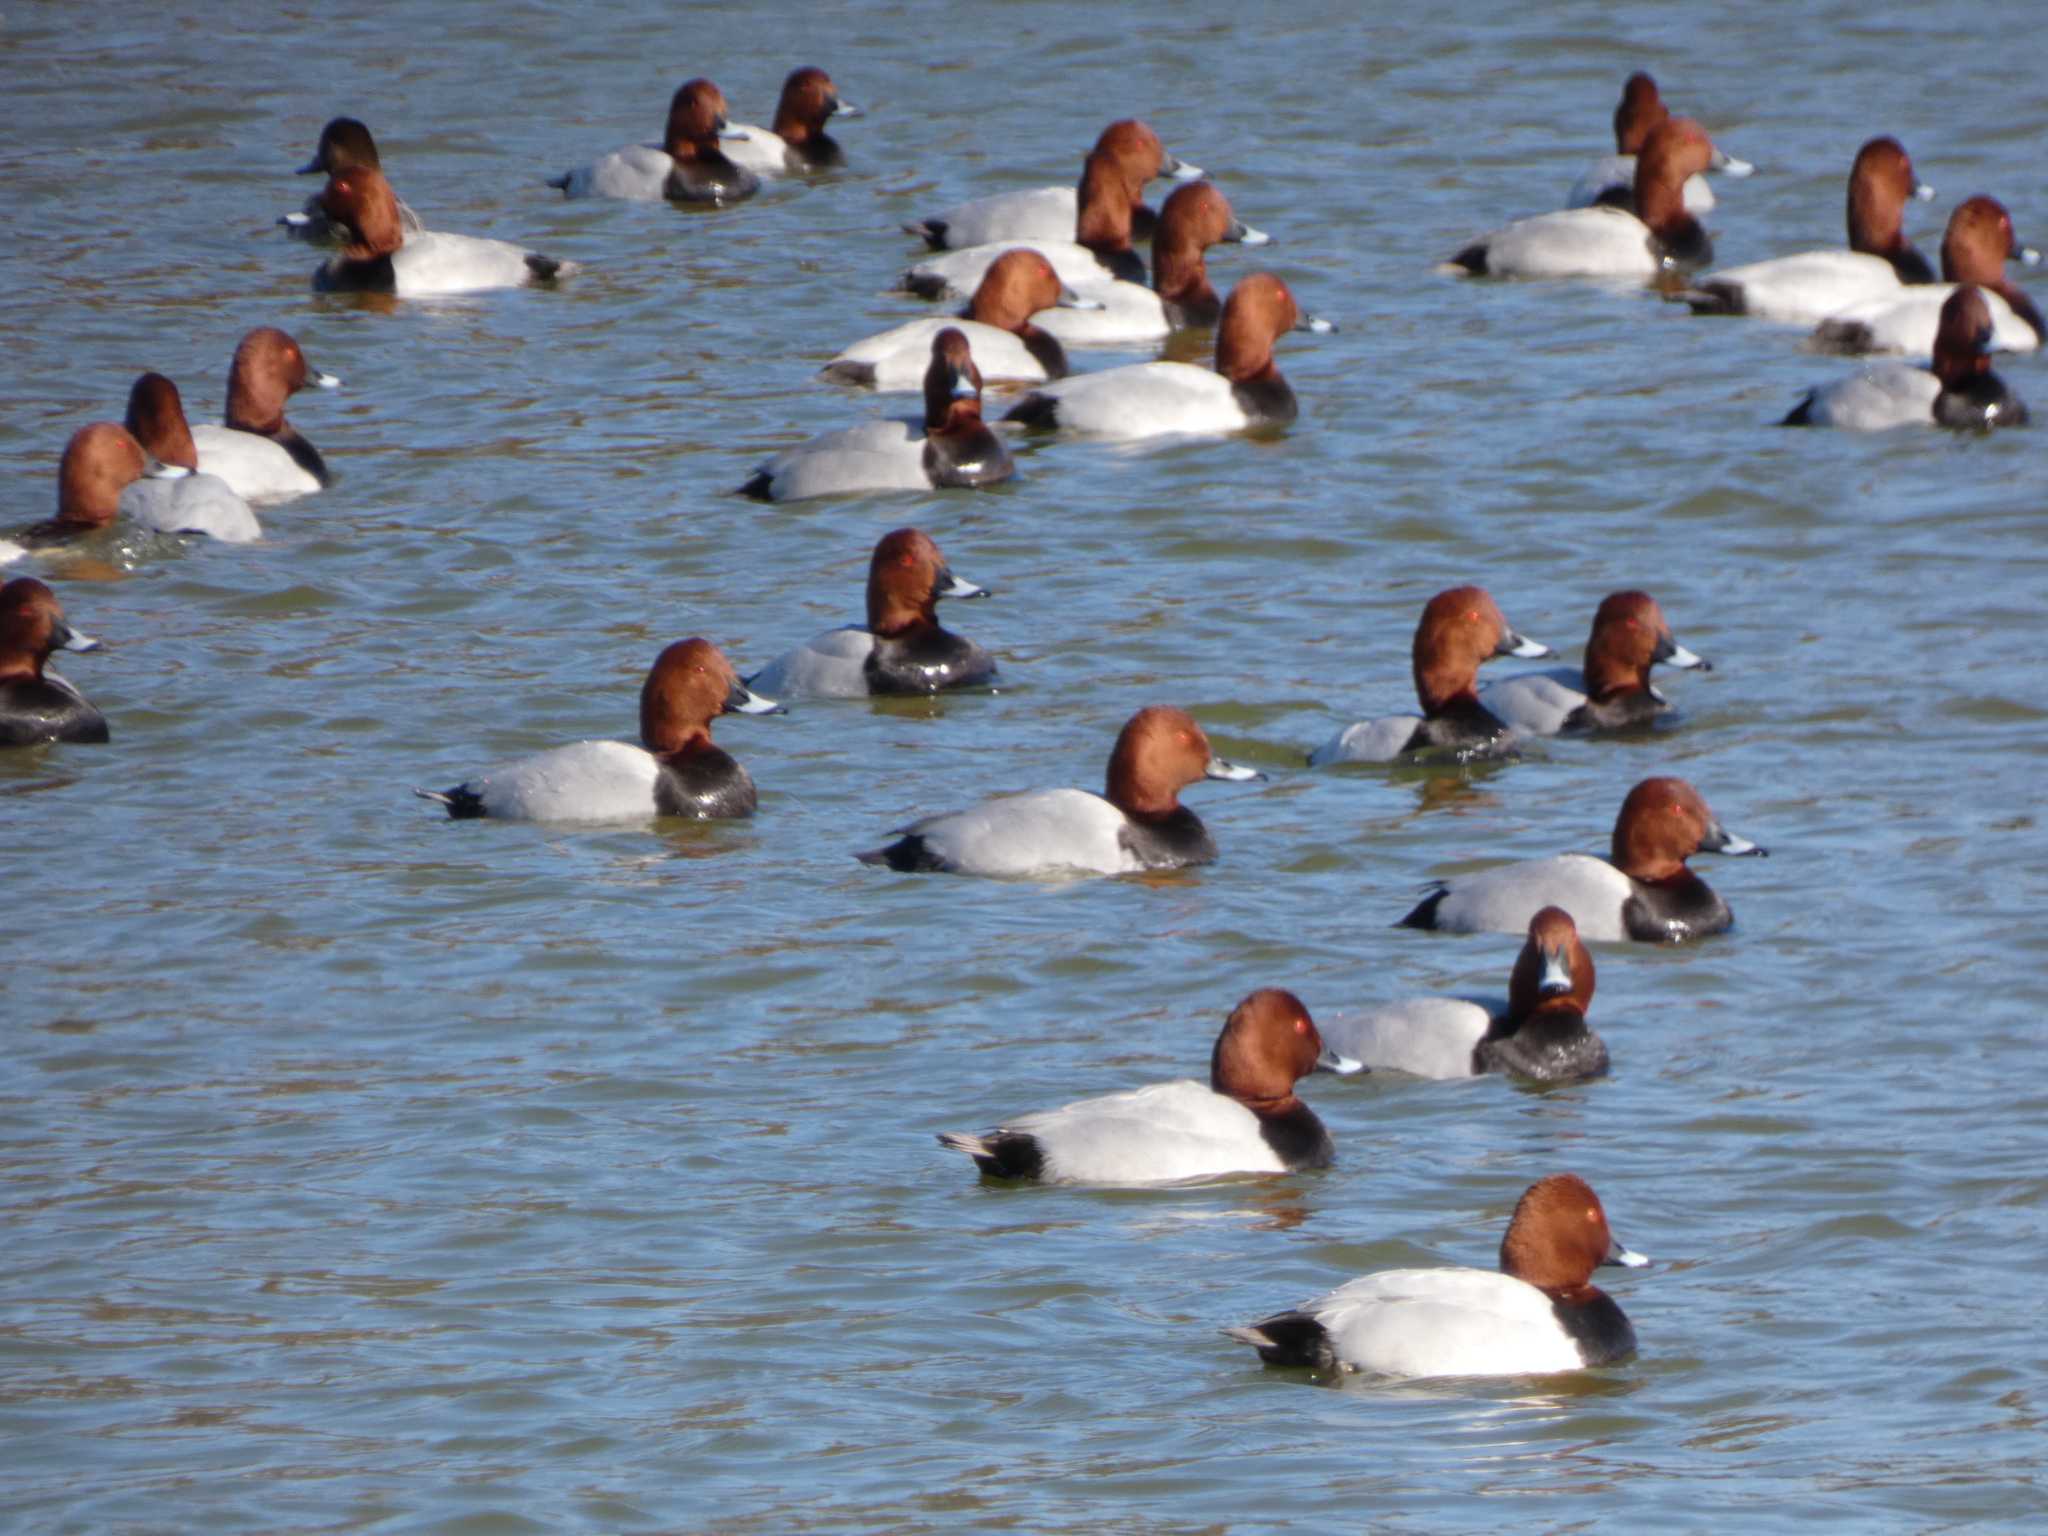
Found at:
(369, 1171)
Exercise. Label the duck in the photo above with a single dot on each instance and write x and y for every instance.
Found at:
(902, 649)
(689, 165)
(1808, 287)
(1048, 213)
(1974, 249)
(1460, 629)
(1246, 1119)
(1642, 891)
(1538, 1313)
(36, 705)
(1602, 241)
(345, 143)
(1959, 391)
(950, 446)
(261, 455)
(1136, 823)
(676, 770)
(1611, 179)
(105, 475)
(189, 503)
(1539, 1032)
(1612, 691)
(1000, 324)
(1245, 389)
(798, 142)
(1196, 216)
(377, 256)
(1094, 248)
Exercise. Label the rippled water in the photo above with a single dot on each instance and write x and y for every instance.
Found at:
(368, 1170)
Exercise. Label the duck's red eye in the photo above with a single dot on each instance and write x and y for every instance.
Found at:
(1301, 1026)
(1592, 1213)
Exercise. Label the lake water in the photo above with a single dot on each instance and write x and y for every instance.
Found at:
(369, 1171)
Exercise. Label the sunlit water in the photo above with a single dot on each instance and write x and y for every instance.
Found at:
(368, 1170)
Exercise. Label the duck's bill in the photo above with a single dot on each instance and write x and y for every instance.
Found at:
(158, 470)
(1242, 233)
(1315, 323)
(1624, 1258)
(296, 220)
(2027, 256)
(1342, 1065)
(1181, 170)
(1556, 980)
(1923, 192)
(1727, 165)
(1720, 840)
(1512, 644)
(844, 108)
(1670, 653)
(960, 586)
(1236, 773)
(321, 380)
(744, 701)
(1069, 299)
(69, 639)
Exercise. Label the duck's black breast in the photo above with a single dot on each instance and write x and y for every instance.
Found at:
(1672, 911)
(707, 785)
(1464, 729)
(974, 457)
(1173, 842)
(926, 663)
(48, 709)
(1599, 1328)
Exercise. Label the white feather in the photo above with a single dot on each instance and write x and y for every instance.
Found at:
(1146, 400)
(1618, 173)
(1367, 741)
(885, 455)
(1425, 1036)
(1045, 832)
(962, 271)
(1502, 900)
(1445, 1322)
(1155, 1135)
(255, 468)
(203, 504)
(1043, 213)
(584, 781)
(1905, 322)
(1877, 399)
(1580, 242)
(829, 666)
(901, 357)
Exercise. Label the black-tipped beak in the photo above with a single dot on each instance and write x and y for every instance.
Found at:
(949, 585)
(1512, 644)
(841, 108)
(1719, 839)
(1669, 653)
(68, 639)
(742, 700)
(1556, 980)
(1624, 1258)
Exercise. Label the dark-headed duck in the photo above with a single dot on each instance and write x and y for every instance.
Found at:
(1538, 1032)
(1642, 890)
(950, 446)
(1000, 324)
(1612, 691)
(676, 770)
(902, 648)
(1537, 1313)
(1246, 1119)
(1136, 823)
(1246, 388)
(1459, 630)
(1658, 235)
(37, 705)
(689, 165)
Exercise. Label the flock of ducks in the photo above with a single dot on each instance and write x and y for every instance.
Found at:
(1041, 271)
